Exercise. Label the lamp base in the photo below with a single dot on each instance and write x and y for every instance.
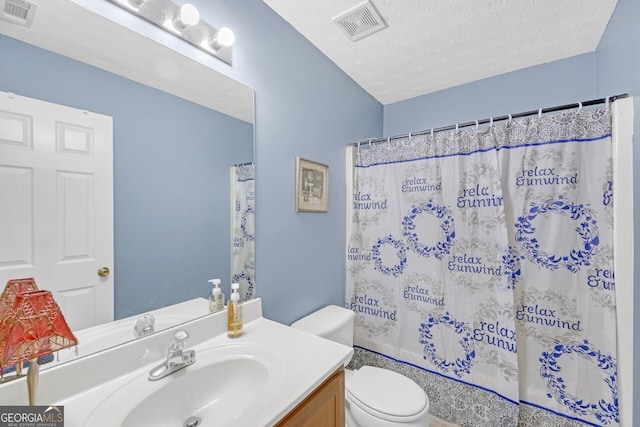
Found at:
(32, 380)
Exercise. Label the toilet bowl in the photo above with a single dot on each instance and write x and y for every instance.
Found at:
(374, 397)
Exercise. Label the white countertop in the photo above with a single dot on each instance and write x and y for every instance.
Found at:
(82, 385)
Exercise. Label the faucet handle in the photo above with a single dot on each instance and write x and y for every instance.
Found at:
(176, 358)
(144, 325)
(178, 341)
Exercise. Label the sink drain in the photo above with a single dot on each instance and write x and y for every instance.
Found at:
(192, 422)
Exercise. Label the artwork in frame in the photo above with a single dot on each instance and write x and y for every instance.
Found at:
(312, 186)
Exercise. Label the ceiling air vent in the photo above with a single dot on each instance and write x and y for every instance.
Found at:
(360, 21)
(18, 11)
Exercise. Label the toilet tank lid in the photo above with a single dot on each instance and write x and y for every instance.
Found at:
(324, 321)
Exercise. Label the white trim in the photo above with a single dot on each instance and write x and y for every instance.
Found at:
(349, 180)
(622, 138)
(232, 180)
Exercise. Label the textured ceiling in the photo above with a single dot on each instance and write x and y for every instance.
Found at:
(430, 45)
(71, 30)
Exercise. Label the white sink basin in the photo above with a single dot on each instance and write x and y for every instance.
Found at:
(226, 385)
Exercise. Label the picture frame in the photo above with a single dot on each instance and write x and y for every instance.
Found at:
(312, 186)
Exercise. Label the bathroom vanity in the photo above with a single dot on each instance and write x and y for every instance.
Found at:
(323, 407)
(272, 375)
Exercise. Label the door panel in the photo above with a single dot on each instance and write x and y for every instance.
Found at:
(16, 224)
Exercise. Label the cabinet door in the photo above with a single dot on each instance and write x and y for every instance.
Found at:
(322, 408)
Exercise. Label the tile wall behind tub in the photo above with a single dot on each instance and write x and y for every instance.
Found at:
(461, 404)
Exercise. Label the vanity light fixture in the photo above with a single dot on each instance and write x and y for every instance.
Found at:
(183, 22)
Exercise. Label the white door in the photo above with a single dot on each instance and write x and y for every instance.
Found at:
(56, 204)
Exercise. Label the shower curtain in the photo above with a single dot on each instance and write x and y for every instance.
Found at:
(243, 267)
(481, 263)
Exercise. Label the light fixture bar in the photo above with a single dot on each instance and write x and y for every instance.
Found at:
(183, 22)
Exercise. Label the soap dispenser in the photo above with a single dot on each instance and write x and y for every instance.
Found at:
(216, 299)
(234, 313)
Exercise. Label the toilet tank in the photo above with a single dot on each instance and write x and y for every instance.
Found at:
(331, 322)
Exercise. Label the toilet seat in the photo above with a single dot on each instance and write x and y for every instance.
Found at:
(386, 395)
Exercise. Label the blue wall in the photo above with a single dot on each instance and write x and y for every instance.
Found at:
(171, 172)
(554, 83)
(305, 106)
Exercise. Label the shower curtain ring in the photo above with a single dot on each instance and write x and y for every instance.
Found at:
(510, 118)
(477, 124)
(540, 113)
(579, 107)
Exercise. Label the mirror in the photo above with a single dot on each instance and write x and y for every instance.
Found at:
(174, 171)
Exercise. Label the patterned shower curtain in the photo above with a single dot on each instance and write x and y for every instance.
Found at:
(484, 260)
(243, 269)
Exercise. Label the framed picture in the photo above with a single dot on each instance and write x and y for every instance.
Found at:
(312, 186)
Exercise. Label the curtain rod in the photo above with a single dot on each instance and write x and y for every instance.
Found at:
(497, 119)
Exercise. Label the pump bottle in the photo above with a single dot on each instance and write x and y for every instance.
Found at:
(234, 313)
(216, 299)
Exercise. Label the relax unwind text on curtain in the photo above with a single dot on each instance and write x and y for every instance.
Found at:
(486, 257)
(243, 228)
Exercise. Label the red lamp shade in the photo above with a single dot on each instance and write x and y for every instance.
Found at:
(32, 326)
(12, 290)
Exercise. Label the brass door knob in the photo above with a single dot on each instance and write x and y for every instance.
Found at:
(103, 272)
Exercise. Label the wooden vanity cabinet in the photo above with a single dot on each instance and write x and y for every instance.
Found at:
(324, 407)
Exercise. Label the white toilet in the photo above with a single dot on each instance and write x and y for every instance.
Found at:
(375, 397)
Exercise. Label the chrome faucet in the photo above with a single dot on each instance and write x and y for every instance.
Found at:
(177, 358)
(144, 325)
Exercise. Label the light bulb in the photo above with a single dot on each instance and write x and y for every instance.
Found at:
(224, 37)
(189, 15)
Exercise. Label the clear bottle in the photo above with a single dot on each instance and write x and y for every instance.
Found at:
(234, 313)
(216, 299)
